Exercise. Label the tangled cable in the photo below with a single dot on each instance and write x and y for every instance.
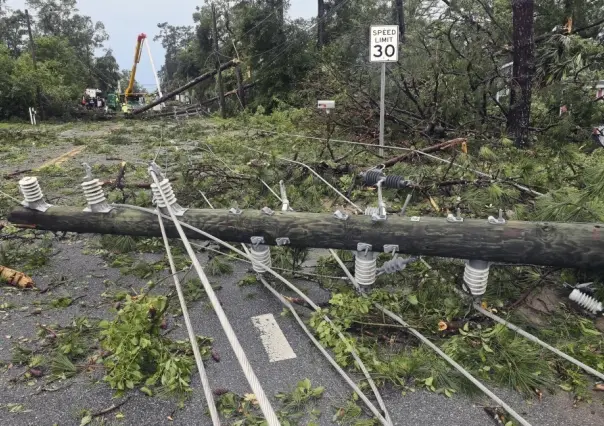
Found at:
(395, 265)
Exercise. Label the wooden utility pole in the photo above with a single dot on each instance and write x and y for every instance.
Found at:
(33, 58)
(566, 245)
(219, 78)
(240, 87)
(321, 24)
(190, 84)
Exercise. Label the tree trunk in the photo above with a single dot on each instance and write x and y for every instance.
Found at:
(400, 14)
(181, 89)
(321, 24)
(219, 85)
(523, 71)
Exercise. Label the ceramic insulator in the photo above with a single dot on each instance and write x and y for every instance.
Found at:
(476, 276)
(261, 258)
(586, 301)
(365, 268)
(166, 187)
(30, 188)
(93, 191)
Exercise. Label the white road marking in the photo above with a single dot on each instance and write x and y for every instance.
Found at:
(276, 345)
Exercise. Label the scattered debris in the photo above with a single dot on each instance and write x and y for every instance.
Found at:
(15, 278)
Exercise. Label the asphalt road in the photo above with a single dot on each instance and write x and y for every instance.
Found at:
(87, 274)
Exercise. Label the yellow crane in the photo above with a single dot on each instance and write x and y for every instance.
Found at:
(137, 57)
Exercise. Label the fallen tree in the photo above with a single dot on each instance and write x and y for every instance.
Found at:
(572, 245)
(438, 147)
(190, 84)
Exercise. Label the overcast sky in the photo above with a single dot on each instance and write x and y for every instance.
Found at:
(125, 19)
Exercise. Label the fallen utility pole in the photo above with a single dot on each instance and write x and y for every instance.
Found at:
(195, 108)
(190, 84)
(571, 245)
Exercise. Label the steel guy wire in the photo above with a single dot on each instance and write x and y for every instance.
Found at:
(415, 151)
(209, 148)
(263, 401)
(280, 278)
(313, 172)
(207, 390)
(386, 420)
(427, 342)
(329, 277)
(458, 367)
(326, 354)
(246, 261)
(10, 197)
(535, 339)
(399, 148)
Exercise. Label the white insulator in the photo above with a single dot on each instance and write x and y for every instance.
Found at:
(166, 187)
(93, 191)
(365, 268)
(586, 301)
(34, 198)
(261, 258)
(370, 211)
(476, 277)
(30, 188)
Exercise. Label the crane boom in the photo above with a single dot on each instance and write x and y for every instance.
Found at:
(137, 57)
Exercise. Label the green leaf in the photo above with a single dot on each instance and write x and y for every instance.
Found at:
(86, 420)
(566, 387)
(146, 390)
(428, 381)
(412, 299)
(487, 348)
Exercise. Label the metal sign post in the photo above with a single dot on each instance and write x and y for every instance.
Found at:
(383, 48)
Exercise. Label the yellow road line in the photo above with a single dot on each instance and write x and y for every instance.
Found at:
(62, 158)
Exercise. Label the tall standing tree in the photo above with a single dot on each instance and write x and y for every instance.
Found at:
(523, 70)
(400, 15)
(321, 24)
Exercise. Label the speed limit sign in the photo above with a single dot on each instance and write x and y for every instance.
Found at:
(384, 43)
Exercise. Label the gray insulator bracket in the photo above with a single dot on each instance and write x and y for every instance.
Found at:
(235, 210)
(455, 219)
(257, 240)
(364, 247)
(497, 221)
(391, 248)
(267, 211)
(378, 218)
(283, 241)
(340, 216)
(415, 218)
